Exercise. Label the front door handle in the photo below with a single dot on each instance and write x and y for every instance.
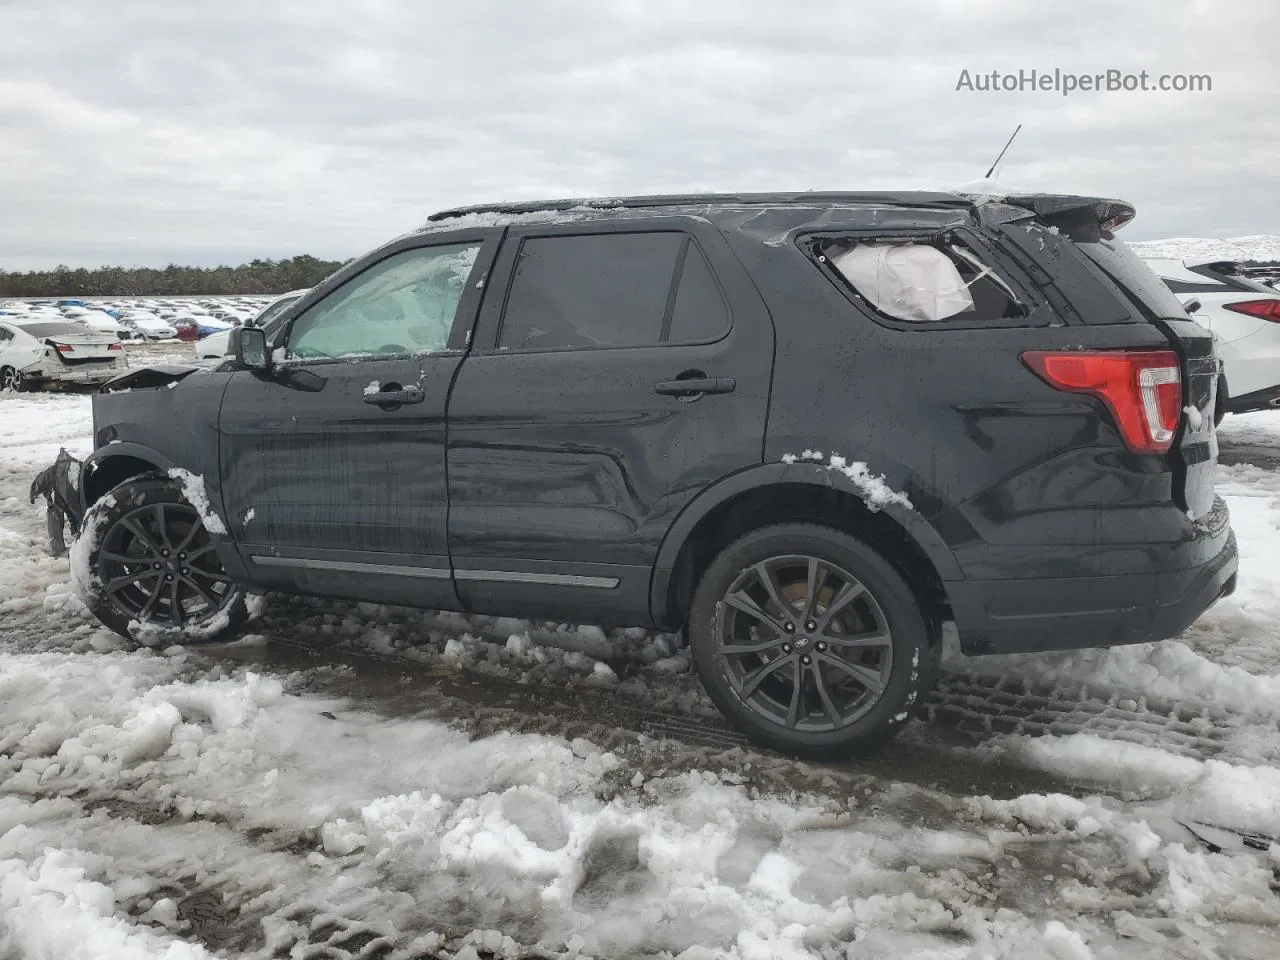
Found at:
(695, 386)
(395, 396)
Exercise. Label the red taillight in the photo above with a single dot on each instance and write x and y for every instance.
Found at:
(64, 348)
(114, 346)
(1142, 389)
(1263, 309)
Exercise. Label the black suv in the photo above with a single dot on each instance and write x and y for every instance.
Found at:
(808, 429)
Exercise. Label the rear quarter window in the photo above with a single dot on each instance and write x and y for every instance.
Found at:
(922, 282)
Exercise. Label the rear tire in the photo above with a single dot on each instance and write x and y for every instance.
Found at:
(804, 603)
(147, 568)
(12, 380)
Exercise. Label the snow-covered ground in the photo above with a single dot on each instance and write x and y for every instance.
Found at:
(356, 780)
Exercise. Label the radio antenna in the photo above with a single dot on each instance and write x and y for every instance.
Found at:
(1002, 153)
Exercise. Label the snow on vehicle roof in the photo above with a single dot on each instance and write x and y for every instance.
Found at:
(796, 198)
(49, 328)
(772, 217)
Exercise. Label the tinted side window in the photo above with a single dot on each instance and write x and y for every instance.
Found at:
(699, 312)
(604, 290)
(403, 305)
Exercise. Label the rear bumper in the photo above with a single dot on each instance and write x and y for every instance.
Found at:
(94, 374)
(1064, 613)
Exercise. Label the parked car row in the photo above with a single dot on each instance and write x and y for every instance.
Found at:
(218, 344)
(74, 341)
(144, 318)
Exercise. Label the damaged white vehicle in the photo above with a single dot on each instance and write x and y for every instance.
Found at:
(36, 353)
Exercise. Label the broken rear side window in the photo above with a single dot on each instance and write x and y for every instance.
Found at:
(921, 282)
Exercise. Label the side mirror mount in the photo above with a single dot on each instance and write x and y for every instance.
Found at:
(249, 349)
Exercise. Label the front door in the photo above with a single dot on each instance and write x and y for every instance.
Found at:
(616, 373)
(333, 464)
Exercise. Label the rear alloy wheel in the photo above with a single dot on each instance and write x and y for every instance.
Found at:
(148, 568)
(809, 641)
(12, 379)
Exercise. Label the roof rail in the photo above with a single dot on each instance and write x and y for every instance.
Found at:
(904, 198)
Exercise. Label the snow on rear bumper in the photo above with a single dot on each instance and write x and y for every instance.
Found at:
(1065, 613)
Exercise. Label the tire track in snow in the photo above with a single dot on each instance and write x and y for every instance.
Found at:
(653, 739)
(981, 706)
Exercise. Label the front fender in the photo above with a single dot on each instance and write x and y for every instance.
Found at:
(817, 475)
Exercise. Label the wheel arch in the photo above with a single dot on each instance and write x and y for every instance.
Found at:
(797, 492)
(110, 466)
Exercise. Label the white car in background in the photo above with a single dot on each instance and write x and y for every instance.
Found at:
(94, 319)
(35, 353)
(217, 345)
(149, 328)
(148, 325)
(1244, 316)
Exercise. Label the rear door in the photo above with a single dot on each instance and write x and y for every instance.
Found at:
(333, 465)
(616, 372)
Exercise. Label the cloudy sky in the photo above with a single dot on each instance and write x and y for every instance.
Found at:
(208, 131)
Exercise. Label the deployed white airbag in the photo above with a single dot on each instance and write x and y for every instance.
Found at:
(913, 282)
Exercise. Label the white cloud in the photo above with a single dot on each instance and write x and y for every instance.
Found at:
(145, 131)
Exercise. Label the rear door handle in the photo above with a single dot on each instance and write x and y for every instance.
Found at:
(695, 386)
(397, 397)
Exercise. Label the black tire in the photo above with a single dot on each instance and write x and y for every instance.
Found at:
(872, 718)
(147, 568)
(13, 380)
(1220, 405)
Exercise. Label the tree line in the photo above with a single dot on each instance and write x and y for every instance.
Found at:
(257, 276)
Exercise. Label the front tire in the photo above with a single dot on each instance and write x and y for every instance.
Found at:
(809, 641)
(148, 569)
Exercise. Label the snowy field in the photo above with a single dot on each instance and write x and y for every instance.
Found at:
(360, 781)
(1259, 247)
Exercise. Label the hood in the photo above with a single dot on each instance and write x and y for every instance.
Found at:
(149, 378)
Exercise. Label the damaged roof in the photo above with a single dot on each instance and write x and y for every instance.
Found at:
(902, 198)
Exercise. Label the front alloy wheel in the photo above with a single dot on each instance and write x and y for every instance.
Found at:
(159, 565)
(149, 569)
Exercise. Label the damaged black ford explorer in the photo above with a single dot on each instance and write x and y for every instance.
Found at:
(809, 430)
